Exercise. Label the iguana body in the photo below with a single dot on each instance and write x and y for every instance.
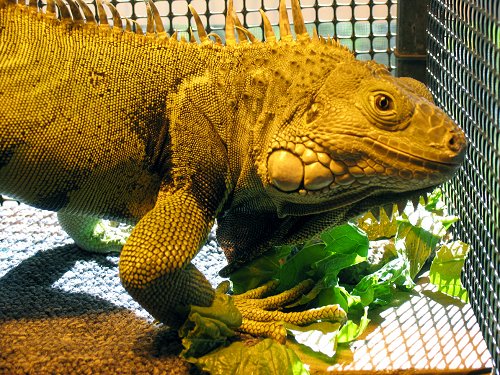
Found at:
(278, 140)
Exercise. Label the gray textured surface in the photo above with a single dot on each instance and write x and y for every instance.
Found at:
(63, 309)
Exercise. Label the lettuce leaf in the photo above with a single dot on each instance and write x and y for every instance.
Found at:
(323, 337)
(384, 228)
(342, 247)
(446, 269)
(267, 357)
(319, 337)
(378, 287)
(260, 270)
(207, 328)
(408, 242)
(415, 244)
(350, 331)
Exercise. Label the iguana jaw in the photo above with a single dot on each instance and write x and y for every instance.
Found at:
(300, 170)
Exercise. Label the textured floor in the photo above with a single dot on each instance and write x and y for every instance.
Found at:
(63, 310)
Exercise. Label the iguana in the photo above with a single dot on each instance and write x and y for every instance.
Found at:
(277, 140)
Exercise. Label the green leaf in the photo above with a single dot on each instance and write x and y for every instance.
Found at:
(376, 230)
(378, 287)
(335, 295)
(435, 203)
(209, 327)
(343, 246)
(448, 221)
(346, 239)
(415, 244)
(259, 270)
(323, 337)
(446, 269)
(298, 267)
(350, 331)
(330, 267)
(267, 357)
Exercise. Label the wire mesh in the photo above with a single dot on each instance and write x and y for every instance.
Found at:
(463, 66)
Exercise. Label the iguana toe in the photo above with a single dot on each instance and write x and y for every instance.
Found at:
(262, 316)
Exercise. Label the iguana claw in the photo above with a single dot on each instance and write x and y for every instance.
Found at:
(262, 317)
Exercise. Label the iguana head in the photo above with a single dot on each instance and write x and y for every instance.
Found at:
(362, 137)
(348, 135)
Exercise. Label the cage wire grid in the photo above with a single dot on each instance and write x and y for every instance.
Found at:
(463, 73)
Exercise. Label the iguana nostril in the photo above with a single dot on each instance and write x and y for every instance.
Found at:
(452, 142)
(456, 142)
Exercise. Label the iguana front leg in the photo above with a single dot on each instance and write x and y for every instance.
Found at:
(155, 263)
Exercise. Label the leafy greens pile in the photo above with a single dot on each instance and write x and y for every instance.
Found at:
(359, 265)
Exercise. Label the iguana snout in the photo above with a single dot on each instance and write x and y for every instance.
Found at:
(443, 141)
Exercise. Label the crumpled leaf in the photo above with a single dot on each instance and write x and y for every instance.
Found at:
(378, 287)
(446, 269)
(415, 244)
(209, 327)
(323, 337)
(346, 239)
(350, 331)
(377, 230)
(259, 270)
(298, 267)
(343, 247)
(410, 240)
(380, 252)
(267, 357)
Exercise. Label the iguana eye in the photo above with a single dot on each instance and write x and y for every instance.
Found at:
(384, 102)
(387, 106)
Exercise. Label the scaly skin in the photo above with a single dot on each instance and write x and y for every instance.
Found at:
(278, 140)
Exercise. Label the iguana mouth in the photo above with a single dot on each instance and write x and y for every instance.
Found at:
(306, 168)
(312, 172)
(391, 202)
(309, 171)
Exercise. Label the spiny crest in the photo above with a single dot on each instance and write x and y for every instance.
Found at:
(72, 13)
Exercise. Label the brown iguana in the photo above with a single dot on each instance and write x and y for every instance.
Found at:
(277, 140)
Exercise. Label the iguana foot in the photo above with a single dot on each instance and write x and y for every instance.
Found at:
(262, 317)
